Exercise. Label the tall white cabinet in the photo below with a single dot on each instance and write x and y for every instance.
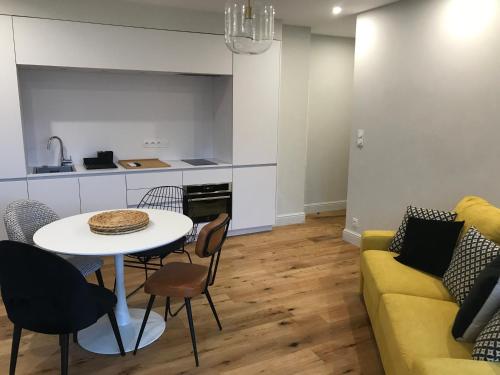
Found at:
(12, 162)
(256, 85)
(254, 192)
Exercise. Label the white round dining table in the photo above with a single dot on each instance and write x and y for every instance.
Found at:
(72, 236)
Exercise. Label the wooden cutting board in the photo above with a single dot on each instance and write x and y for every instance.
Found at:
(144, 163)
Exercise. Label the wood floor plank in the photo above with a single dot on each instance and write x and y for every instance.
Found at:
(288, 302)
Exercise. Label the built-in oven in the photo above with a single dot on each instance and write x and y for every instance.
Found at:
(203, 203)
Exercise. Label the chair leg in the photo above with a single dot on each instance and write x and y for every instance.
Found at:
(167, 308)
(212, 306)
(116, 331)
(64, 342)
(189, 255)
(75, 337)
(146, 316)
(191, 328)
(98, 275)
(16, 338)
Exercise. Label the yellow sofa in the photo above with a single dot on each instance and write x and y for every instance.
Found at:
(412, 312)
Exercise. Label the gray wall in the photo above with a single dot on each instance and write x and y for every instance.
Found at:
(329, 122)
(293, 123)
(118, 111)
(426, 91)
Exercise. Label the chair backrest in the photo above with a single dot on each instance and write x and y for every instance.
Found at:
(24, 217)
(42, 292)
(168, 198)
(209, 244)
(212, 236)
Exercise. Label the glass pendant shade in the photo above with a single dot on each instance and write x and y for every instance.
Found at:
(249, 26)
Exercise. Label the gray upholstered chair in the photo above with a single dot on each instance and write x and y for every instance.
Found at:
(24, 217)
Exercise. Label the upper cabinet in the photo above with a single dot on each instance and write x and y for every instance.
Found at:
(12, 162)
(256, 82)
(83, 45)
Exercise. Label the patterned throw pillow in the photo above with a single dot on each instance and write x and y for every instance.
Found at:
(419, 213)
(487, 347)
(472, 255)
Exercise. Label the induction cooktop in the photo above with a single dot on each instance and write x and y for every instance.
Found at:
(198, 162)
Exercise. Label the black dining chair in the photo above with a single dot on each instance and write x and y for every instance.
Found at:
(49, 295)
(169, 198)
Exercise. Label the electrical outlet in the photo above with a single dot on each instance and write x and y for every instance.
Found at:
(155, 143)
(355, 222)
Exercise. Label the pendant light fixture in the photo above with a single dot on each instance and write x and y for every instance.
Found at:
(249, 26)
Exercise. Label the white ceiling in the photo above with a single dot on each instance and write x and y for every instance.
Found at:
(316, 14)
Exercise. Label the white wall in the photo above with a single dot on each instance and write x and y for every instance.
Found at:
(94, 111)
(329, 122)
(293, 124)
(427, 88)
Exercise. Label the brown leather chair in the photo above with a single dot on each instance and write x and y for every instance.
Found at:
(187, 280)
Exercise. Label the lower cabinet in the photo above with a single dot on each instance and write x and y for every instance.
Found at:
(10, 191)
(254, 197)
(62, 194)
(103, 193)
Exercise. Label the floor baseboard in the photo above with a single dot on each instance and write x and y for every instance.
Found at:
(289, 219)
(351, 237)
(312, 208)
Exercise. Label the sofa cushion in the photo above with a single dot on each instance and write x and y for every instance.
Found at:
(419, 213)
(429, 244)
(487, 346)
(450, 366)
(472, 255)
(480, 305)
(478, 212)
(419, 327)
(383, 274)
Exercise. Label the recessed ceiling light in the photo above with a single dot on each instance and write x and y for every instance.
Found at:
(337, 10)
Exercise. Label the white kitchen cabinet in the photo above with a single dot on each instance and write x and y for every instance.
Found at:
(256, 82)
(12, 160)
(149, 180)
(10, 191)
(135, 196)
(62, 194)
(103, 193)
(85, 45)
(254, 197)
(207, 176)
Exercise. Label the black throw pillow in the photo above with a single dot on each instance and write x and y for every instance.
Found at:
(428, 244)
(482, 302)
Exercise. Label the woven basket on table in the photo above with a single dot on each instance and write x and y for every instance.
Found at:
(118, 222)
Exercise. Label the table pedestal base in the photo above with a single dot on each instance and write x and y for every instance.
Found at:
(99, 337)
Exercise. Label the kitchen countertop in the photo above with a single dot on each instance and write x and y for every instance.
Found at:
(175, 165)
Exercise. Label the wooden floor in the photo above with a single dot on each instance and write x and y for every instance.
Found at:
(288, 301)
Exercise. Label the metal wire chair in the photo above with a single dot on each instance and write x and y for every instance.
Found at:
(170, 198)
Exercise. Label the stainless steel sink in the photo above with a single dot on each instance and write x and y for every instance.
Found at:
(53, 169)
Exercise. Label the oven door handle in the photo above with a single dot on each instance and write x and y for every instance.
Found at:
(209, 192)
(209, 198)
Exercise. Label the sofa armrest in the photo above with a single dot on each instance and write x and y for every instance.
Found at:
(376, 239)
(451, 366)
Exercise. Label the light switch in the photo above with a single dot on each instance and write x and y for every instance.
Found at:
(360, 139)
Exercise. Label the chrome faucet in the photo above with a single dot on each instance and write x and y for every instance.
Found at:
(63, 161)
